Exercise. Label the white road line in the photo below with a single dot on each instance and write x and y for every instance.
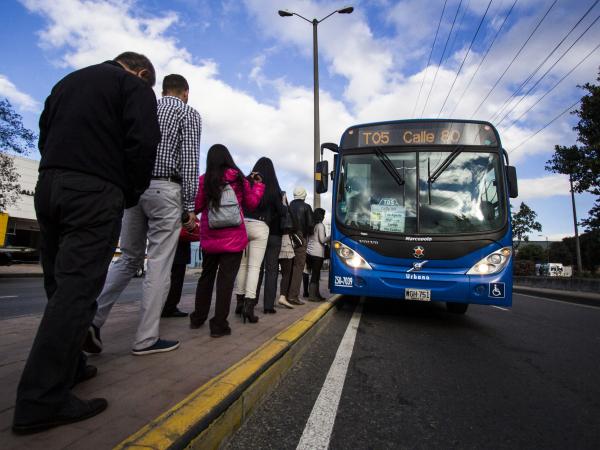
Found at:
(319, 426)
(9, 296)
(559, 301)
(500, 307)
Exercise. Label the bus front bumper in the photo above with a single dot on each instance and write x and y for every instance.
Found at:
(479, 289)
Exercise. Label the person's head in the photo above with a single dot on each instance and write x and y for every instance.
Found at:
(218, 160)
(299, 193)
(264, 166)
(318, 215)
(139, 65)
(177, 86)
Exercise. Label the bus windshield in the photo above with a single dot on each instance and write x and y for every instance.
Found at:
(443, 192)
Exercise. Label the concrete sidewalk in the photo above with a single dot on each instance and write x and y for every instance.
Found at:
(587, 298)
(138, 388)
(21, 271)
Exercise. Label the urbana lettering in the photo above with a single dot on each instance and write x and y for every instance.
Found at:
(419, 239)
(410, 276)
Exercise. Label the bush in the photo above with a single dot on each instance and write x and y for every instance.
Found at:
(523, 268)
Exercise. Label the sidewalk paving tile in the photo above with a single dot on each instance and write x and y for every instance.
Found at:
(138, 388)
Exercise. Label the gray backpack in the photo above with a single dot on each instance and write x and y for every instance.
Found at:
(229, 213)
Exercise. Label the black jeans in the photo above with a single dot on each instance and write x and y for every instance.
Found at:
(80, 219)
(270, 265)
(227, 264)
(181, 260)
(314, 263)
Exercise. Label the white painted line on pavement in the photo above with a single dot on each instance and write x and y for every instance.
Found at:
(560, 301)
(9, 296)
(500, 307)
(319, 426)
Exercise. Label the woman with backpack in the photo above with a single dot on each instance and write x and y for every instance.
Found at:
(264, 236)
(223, 193)
(315, 254)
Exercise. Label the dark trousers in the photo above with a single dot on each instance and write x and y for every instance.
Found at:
(181, 260)
(80, 218)
(297, 269)
(286, 276)
(270, 265)
(227, 265)
(315, 263)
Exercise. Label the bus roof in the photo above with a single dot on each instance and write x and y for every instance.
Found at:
(420, 132)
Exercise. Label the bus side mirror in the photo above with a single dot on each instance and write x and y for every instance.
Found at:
(513, 187)
(330, 146)
(321, 176)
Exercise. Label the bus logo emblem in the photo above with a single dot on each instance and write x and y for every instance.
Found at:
(419, 251)
(417, 266)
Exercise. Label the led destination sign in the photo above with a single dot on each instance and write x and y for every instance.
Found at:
(420, 133)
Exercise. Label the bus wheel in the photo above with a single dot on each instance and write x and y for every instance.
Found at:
(457, 308)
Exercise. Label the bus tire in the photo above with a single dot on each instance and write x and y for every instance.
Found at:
(457, 308)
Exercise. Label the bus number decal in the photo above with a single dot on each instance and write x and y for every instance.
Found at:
(343, 281)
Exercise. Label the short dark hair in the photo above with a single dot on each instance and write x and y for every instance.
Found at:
(137, 62)
(175, 84)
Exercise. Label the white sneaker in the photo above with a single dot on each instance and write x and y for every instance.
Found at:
(283, 302)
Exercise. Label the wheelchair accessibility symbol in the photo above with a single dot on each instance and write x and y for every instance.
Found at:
(497, 290)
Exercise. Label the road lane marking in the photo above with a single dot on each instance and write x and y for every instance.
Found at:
(318, 429)
(9, 296)
(560, 301)
(500, 307)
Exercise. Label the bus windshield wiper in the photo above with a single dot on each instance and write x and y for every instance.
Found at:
(389, 166)
(445, 164)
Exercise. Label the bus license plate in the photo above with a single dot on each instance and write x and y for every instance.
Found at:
(420, 295)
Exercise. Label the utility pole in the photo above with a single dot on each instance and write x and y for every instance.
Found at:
(577, 248)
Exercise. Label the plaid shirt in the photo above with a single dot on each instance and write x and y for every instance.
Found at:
(179, 148)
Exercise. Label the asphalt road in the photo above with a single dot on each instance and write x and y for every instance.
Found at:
(419, 377)
(26, 296)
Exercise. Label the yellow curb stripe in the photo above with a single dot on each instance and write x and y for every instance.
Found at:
(166, 429)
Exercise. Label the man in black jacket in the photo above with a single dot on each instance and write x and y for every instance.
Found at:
(303, 215)
(98, 137)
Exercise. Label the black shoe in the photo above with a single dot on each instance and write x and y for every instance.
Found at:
(74, 411)
(270, 311)
(248, 311)
(93, 343)
(176, 313)
(160, 346)
(240, 303)
(295, 301)
(87, 373)
(220, 333)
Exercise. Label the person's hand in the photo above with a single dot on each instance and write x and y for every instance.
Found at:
(190, 224)
(256, 177)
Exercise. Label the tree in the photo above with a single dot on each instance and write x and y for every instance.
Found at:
(592, 223)
(14, 138)
(532, 252)
(523, 223)
(559, 252)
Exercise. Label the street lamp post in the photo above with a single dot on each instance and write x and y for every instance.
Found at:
(317, 138)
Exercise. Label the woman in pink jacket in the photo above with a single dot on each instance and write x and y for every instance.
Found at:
(221, 247)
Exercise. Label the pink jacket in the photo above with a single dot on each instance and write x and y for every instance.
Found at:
(234, 239)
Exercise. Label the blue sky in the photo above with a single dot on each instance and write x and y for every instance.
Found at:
(250, 71)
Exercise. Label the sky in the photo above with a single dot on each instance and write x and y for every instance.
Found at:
(251, 75)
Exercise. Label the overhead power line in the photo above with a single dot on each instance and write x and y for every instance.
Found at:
(545, 126)
(556, 47)
(466, 56)
(429, 59)
(553, 87)
(441, 58)
(524, 96)
(515, 57)
(483, 58)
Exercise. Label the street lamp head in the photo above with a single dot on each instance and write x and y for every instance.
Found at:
(346, 10)
(283, 13)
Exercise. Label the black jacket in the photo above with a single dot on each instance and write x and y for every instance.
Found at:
(269, 211)
(102, 120)
(303, 215)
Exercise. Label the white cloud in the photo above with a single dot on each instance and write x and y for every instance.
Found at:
(543, 187)
(22, 100)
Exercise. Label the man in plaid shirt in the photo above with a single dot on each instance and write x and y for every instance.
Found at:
(157, 218)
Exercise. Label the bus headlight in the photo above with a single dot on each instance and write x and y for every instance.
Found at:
(350, 257)
(492, 263)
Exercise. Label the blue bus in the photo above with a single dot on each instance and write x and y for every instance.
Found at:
(420, 211)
